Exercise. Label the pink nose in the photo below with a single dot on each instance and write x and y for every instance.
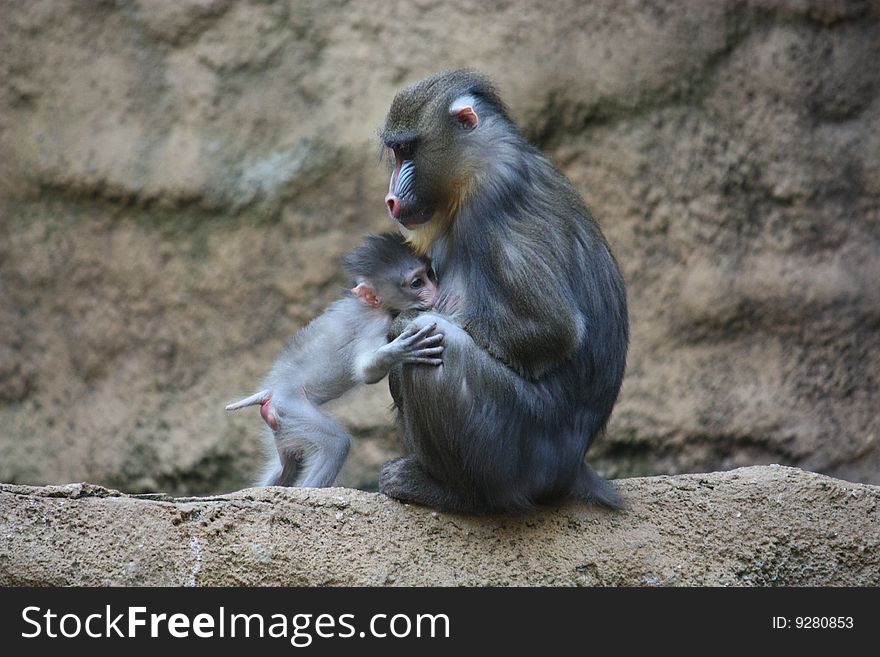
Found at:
(393, 204)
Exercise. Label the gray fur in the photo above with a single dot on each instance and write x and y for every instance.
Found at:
(536, 337)
(344, 347)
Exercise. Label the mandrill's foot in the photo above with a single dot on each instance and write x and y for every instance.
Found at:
(396, 478)
(406, 480)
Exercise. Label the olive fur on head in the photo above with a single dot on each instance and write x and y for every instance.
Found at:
(440, 131)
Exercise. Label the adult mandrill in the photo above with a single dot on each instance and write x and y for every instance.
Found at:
(534, 318)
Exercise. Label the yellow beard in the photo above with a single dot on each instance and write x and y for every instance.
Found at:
(421, 238)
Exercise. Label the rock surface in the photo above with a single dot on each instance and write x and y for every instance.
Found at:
(179, 179)
(764, 525)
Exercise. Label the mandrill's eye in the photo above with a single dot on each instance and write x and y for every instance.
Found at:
(417, 283)
(404, 148)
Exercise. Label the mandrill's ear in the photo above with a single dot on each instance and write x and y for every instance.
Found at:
(462, 108)
(366, 294)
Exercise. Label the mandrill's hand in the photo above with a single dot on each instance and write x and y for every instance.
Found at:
(416, 345)
(401, 322)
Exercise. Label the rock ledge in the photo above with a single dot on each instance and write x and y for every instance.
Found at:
(753, 526)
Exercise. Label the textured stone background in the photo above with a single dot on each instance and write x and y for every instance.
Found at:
(179, 179)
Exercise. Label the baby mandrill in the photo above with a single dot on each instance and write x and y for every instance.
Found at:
(344, 347)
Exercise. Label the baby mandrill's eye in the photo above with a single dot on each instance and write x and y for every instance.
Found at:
(417, 283)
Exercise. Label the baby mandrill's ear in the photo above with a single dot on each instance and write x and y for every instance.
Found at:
(366, 293)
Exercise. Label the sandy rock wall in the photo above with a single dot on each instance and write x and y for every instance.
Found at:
(179, 180)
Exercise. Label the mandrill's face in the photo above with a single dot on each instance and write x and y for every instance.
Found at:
(431, 139)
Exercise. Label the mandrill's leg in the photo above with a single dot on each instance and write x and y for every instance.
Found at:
(311, 444)
(406, 480)
(460, 421)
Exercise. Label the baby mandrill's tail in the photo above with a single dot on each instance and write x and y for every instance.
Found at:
(254, 400)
